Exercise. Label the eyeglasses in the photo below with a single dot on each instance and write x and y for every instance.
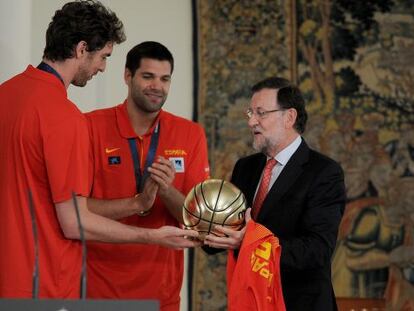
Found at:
(260, 114)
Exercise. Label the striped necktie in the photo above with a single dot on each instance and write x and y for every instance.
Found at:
(264, 187)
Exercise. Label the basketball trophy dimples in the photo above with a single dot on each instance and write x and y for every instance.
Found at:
(214, 202)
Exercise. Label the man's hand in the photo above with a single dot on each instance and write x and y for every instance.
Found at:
(163, 173)
(232, 238)
(174, 237)
(147, 197)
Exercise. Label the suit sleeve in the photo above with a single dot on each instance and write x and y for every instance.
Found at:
(315, 242)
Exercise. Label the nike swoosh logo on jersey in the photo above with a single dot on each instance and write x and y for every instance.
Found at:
(110, 150)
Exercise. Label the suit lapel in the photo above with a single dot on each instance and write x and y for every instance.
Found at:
(253, 181)
(286, 179)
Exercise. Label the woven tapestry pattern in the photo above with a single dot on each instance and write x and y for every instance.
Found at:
(239, 43)
(353, 61)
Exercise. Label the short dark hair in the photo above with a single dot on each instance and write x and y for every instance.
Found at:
(270, 83)
(147, 49)
(82, 20)
(288, 96)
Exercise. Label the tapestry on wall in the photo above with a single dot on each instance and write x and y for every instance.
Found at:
(353, 61)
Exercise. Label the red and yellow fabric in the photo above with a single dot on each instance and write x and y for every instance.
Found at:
(253, 279)
(132, 270)
(44, 149)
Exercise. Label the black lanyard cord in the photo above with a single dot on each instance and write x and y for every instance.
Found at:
(141, 177)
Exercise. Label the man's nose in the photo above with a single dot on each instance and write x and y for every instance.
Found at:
(102, 67)
(156, 84)
(252, 121)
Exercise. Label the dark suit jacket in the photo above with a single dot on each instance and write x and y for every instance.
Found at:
(303, 209)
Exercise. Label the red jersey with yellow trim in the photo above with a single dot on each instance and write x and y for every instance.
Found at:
(253, 280)
(44, 149)
(133, 270)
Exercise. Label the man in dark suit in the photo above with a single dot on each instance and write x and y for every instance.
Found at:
(304, 199)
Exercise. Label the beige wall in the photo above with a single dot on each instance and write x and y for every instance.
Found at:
(23, 25)
(22, 30)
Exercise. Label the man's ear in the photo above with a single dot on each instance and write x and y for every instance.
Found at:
(80, 49)
(127, 75)
(291, 117)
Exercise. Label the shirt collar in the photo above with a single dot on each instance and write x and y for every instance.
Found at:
(45, 76)
(124, 124)
(47, 68)
(283, 156)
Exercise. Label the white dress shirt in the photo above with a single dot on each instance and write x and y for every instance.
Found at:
(282, 158)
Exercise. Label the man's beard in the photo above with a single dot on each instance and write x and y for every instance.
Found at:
(263, 146)
(142, 102)
(80, 82)
(81, 79)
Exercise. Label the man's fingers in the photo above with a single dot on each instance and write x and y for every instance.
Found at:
(178, 238)
(163, 165)
(161, 174)
(231, 239)
(159, 180)
(190, 243)
(166, 162)
(156, 171)
(229, 232)
(188, 233)
(218, 242)
(210, 238)
(188, 238)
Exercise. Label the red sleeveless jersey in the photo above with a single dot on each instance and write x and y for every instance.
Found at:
(253, 279)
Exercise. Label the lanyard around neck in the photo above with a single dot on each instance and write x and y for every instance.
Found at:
(140, 177)
(45, 67)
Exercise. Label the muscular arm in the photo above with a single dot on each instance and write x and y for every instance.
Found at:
(102, 229)
(120, 208)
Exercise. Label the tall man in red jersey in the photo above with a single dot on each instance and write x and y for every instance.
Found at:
(45, 148)
(126, 139)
